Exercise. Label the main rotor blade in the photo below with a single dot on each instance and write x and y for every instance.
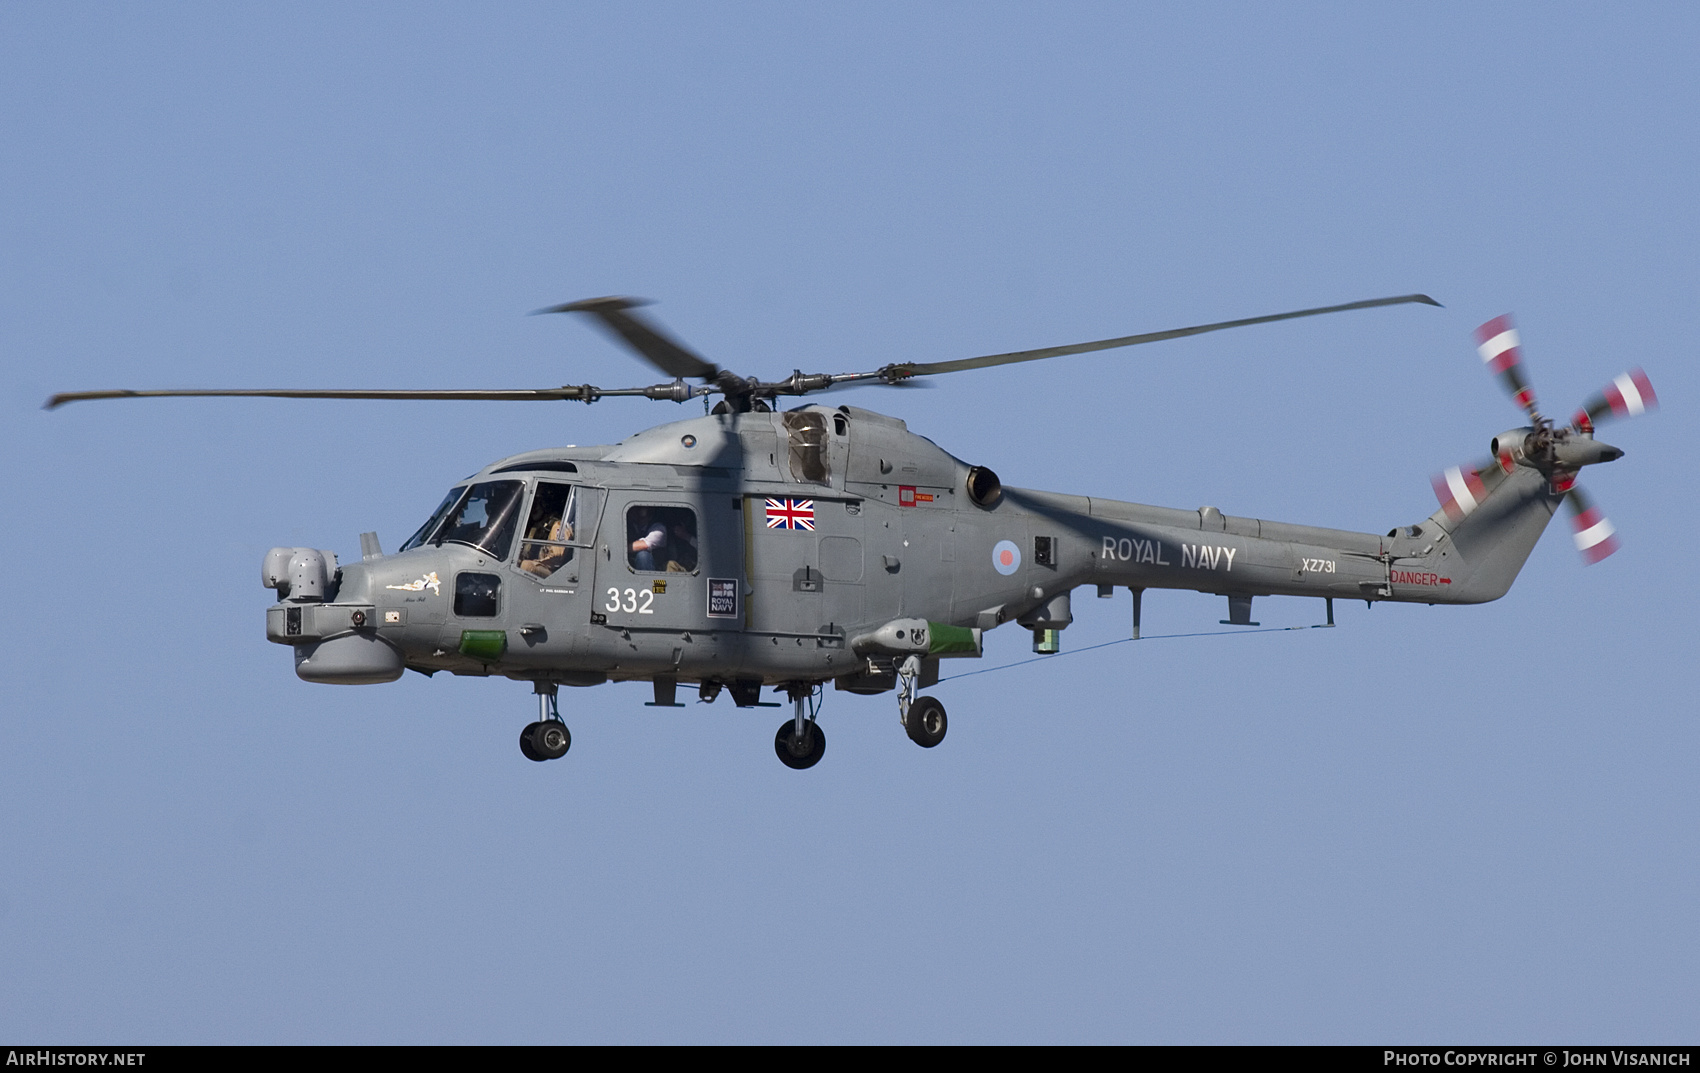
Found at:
(642, 335)
(579, 392)
(926, 368)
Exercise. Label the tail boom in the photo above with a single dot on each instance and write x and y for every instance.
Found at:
(1443, 560)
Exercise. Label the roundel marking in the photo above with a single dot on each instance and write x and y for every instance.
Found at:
(1006, 557)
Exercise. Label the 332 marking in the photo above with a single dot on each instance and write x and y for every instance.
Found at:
(631, 601)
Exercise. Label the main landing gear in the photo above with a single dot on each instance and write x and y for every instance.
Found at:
(800, 741)
(548, 738)
(922, 718)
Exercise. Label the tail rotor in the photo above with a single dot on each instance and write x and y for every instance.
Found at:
(1628, 395)
(1501, 349)
(1557, 453)
(1595, 536)
(1461, 489)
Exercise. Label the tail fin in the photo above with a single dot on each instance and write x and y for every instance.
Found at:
(1486, 545)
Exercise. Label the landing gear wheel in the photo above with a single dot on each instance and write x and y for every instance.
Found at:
(550, 739)
(926, 723)
(799, 754)
(525, 743)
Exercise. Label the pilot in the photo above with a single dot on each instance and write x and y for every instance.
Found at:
(544, 559)
(649, 538)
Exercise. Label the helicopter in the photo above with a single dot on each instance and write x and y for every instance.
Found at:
(755, 548)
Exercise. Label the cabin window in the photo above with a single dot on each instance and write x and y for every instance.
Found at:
(661, 540)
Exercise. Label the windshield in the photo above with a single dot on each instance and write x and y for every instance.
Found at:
(485, 519)
(437, 516)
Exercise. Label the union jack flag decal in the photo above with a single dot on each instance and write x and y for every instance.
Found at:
(791, 514)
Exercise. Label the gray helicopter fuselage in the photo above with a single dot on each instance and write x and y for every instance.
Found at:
(750, 548)
(787, 541)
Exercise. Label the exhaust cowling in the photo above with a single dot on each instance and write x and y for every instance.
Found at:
(1512, 447)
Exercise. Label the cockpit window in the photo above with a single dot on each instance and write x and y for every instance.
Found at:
(485, 519)
(550, 530)
(437, 516)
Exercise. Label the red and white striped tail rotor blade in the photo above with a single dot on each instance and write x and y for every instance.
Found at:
(1595, 537)
(1501, 349)
(1460, 490)
(1626, 396)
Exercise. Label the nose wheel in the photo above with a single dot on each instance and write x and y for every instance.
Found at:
(925, 722)
(548, 738)
(922, 717)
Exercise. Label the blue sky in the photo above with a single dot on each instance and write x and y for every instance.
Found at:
(1470, 824)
